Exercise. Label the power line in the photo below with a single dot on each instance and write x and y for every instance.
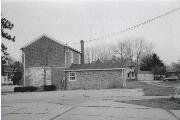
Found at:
(131, 27)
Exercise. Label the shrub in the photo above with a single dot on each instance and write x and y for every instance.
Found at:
(49, 87)
(29, 89)
(25, 89)
(18, 89)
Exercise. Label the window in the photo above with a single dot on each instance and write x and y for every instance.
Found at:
(72, 57)
(66, 58)
(79, 59)
(72, 76)
(5, 79)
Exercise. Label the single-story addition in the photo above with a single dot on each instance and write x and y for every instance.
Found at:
(95, 76)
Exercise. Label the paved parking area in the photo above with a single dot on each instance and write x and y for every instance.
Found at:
(80, 105)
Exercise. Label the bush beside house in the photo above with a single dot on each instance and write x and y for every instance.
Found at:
(25, 89)
(49, 87)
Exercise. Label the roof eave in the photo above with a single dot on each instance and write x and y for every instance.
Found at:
(106, 69)
(72, 49)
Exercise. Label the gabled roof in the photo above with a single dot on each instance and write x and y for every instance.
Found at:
(46, 36)
(97, 66)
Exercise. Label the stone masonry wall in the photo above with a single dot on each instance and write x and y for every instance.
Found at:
(95, 80)
(34, 76)
(57, 75)
(76, 58)
(45, 52)
(49, 53)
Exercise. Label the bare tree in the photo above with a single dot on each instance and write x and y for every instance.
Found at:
(132, 50)
(103, 53)
(91, 54)
(124, 50)
(140, 49)
(121, 49)
(87, 55)
(127, 50)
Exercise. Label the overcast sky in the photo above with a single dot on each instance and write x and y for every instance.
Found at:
(74, 21)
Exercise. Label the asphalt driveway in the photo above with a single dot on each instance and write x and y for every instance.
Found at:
(80, 105)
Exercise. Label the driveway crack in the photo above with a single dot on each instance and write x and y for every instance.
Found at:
(64, 112)
(173, 114)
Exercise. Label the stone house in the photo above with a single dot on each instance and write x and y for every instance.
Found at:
(45, 59)
(95, 76)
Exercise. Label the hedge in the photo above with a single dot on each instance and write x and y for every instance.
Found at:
(25, 89)
(49, 87)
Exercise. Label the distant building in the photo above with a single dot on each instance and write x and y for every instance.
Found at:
(45, 59)
(145, 76)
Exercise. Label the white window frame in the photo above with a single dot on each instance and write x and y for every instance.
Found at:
(70, 77)
(79, 59)
(66, 58)
(5, 79)
(72, 57)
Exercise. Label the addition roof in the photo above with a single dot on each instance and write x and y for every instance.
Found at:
(96, 66)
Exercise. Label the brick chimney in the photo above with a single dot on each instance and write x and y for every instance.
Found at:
(82, 51)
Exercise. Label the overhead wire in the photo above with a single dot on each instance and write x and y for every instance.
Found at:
(130, 28)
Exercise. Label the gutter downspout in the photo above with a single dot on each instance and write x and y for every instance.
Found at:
(82, 51)
(24, 59)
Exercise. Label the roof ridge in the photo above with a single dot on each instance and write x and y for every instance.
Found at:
(29, 43)
(60, 42)
(47, 36)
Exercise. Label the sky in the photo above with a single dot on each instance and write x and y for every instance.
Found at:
(69, 22)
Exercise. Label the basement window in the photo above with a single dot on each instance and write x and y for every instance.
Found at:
(72, 76)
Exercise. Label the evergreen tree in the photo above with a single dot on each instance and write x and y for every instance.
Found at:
(5, 25)
(153, 63)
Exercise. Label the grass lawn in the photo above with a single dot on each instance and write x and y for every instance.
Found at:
(151, 90)
(164, 103)
(171, 83)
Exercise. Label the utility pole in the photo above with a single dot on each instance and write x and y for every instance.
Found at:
(24, 66)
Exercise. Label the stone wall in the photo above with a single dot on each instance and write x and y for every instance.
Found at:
(35, 76)
(44, 52)
(57, 75)
(95, 80)
(49, 53)
(76, 57)
(54, 76)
